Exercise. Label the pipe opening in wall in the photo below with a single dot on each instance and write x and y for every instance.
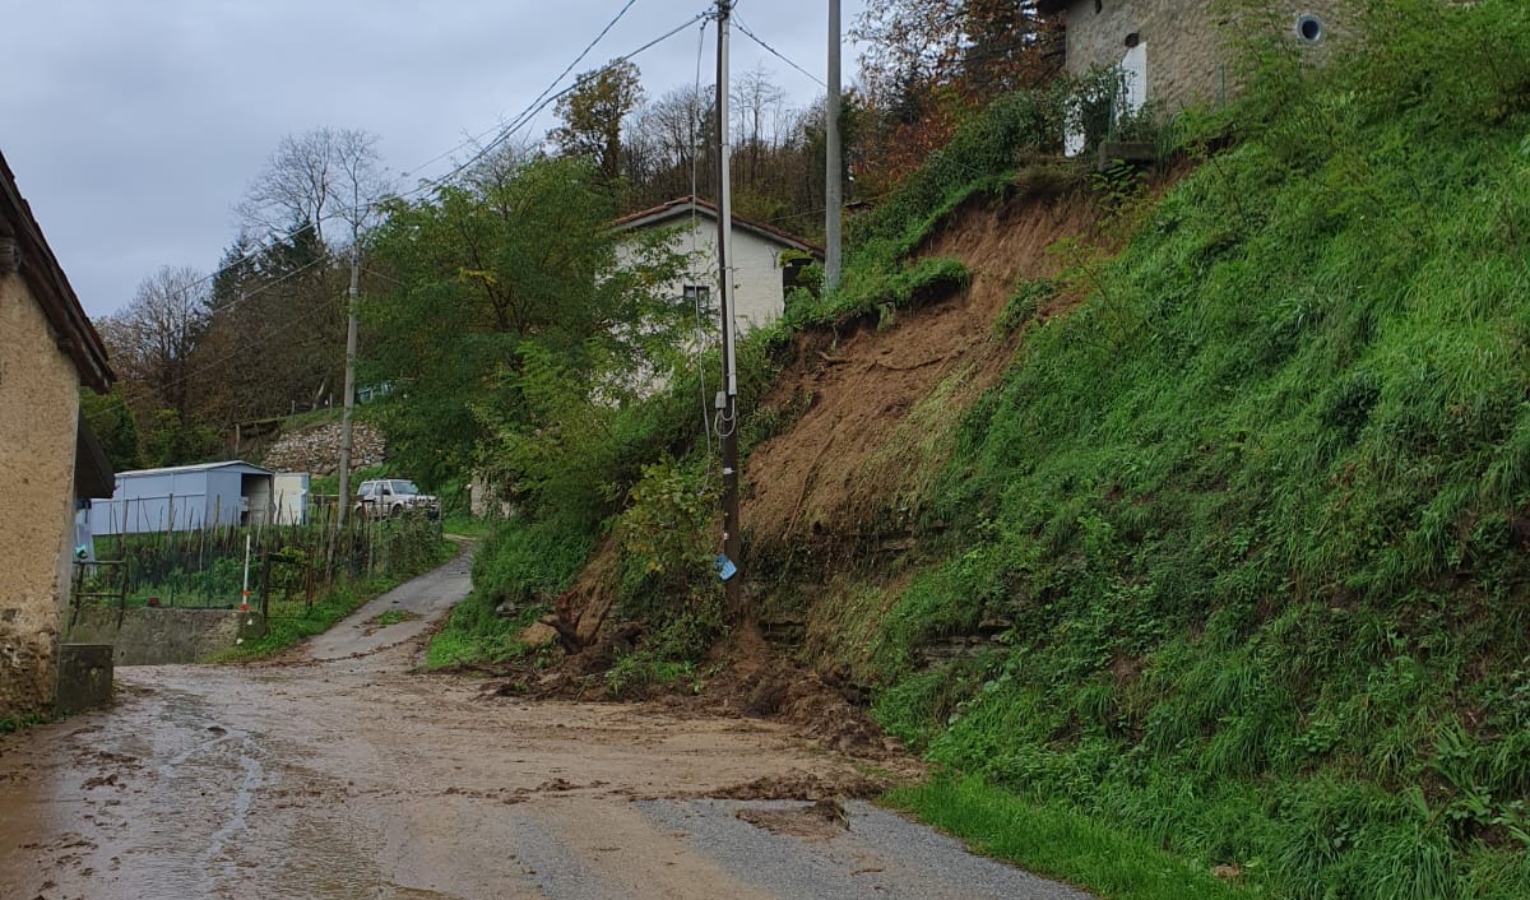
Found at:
(1133, 39)
(1309, 28)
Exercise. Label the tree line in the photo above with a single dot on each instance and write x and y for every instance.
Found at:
(201, 355)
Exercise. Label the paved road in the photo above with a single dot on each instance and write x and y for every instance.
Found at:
(336, 774)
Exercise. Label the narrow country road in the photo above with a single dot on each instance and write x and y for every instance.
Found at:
(336, 773)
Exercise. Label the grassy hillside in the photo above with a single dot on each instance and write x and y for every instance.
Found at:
(1257, 511)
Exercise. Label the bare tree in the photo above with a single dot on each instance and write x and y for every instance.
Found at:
(152, 340)
(754, 97)
(669, 140)
(319, 177)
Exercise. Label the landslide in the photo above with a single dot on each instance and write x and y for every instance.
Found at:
(872, 402)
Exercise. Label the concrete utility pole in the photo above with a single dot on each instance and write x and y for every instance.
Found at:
(343, 503)
(728, 398)
(834, 199)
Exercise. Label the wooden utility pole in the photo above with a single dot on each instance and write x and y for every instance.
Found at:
(834, 172)
(343, 502)
(728, 412)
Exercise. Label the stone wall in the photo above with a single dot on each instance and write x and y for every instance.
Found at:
(317, 450)
(155, 637)
(1191, 55)
(39, 411)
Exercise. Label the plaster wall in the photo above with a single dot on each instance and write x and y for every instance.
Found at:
(757, 293)
(1190, 44)
(39, 410)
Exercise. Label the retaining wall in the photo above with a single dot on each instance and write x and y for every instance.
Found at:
(153, 637)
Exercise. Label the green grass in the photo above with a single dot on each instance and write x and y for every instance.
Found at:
(23, 721)
(1059, 843)
(409, 551)
(291, 622)
(393, 617)
(474, 634)
(467, 526)
(1254, 510)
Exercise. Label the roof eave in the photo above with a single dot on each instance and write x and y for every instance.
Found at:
(73, 332)
(676, 209)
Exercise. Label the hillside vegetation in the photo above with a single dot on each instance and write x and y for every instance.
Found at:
(1247, 510)
(1256, 512)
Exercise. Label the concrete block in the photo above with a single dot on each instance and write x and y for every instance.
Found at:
(84, 677)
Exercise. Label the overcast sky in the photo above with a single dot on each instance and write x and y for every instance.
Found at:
(134, 126)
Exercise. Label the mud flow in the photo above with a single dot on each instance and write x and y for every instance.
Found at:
(336, 773)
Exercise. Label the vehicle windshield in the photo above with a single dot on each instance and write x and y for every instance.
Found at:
(405, 487)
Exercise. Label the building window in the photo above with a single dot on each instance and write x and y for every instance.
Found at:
(699, 297)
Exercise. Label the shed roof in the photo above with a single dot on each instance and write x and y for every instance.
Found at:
(233, 464)
(72, 330)
(686, 206)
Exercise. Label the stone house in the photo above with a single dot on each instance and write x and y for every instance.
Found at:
(48, 460)
(765, 260)
(1180, 53)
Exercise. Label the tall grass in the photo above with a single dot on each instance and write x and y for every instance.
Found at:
(1257, 509)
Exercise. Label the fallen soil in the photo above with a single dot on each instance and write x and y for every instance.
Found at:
(876, 406)
(334, 772)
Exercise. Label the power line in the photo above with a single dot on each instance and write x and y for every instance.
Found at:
(582, 54)
(777, 54)
(516, 124)
(525, 117)
(209, 365)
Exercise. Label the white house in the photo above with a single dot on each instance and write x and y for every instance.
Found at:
(765, 260)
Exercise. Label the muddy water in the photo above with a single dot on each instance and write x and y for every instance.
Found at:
(339, 775)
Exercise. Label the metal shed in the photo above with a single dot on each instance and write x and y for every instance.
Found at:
(185, 498)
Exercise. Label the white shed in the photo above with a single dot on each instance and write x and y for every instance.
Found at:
(185, 498)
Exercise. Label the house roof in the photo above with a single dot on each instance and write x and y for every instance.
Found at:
(72, 330)
(683, 207)
(242, 467)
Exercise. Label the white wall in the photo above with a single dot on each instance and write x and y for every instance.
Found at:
(757, 294)
(291, 497)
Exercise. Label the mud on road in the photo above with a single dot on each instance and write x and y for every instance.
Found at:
(336, 773)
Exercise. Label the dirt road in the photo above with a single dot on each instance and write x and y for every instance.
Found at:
(338, 774)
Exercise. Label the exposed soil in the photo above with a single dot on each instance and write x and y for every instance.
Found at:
(820, 821)
(843, 463)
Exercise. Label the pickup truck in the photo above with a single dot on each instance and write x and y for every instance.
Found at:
(385, 497)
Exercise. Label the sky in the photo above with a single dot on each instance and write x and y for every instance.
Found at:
(135, 126)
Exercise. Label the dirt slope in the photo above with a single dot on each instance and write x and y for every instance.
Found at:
(882, 405)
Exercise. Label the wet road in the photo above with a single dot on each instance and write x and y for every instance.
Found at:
(339, 774)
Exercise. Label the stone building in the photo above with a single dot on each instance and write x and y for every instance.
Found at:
(48, 350)
(1180, 53)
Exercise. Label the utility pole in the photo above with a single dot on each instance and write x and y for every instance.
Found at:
(343, 503)
(834, 172)
(728, 398)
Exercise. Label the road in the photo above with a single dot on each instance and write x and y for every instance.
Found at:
(338, 773)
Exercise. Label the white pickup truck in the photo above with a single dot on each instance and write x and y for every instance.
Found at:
(386, 497)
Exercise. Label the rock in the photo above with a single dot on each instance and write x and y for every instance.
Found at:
(317, 449)
(538, 635)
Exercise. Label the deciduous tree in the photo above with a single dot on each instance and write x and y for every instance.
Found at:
(593, 113)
